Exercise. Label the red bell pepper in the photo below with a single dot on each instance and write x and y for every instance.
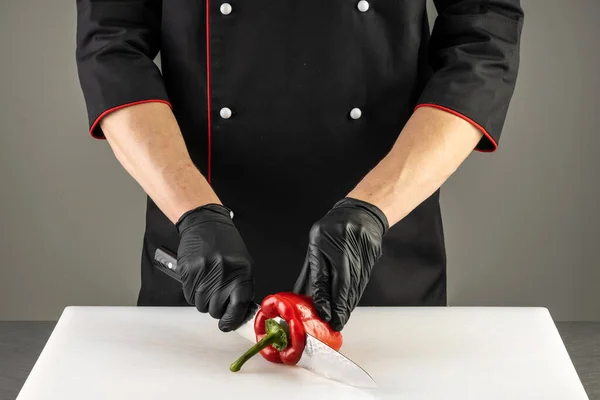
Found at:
(284, 343)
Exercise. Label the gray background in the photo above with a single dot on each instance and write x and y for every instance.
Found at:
(521, 224)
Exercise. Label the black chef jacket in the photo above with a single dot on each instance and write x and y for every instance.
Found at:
(285, 105)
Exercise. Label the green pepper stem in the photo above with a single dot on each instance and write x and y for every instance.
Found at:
(276, 336)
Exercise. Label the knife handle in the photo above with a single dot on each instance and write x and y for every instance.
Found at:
(165, 261)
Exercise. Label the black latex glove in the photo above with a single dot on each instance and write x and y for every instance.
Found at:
(215, 266)
(343, 247)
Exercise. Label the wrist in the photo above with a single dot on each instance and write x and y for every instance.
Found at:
(372, 210)
(187, 190)
(381, 202)
(211, 212)
(184, 206)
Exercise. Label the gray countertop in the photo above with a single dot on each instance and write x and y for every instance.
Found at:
(22, 342)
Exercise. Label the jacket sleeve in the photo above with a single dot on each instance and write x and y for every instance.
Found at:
(117, 41)
(474, 56)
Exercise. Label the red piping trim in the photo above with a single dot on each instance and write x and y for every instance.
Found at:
(481, 128)
(105, 113)
(209, 156)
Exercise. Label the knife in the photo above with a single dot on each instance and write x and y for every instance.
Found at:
(317, 357)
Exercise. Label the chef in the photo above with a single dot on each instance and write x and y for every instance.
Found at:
(296, 144)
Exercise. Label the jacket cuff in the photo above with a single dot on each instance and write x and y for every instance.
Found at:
(487, 144)
(96, 131)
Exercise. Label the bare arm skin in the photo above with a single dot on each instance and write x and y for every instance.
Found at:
(430, 148)
(147, 141)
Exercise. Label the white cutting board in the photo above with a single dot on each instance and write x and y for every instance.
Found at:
(413, 353)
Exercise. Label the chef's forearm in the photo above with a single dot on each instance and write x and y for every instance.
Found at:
(430, 148)
(147, 141)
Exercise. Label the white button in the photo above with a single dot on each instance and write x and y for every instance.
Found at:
(231, 214)
(355, 113)
(363, 5)
(226, 113)
(170, 265)
(226, 9)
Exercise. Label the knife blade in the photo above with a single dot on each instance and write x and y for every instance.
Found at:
(317, 357)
